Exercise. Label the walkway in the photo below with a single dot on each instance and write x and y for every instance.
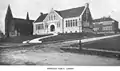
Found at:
(37, 40)
(92, 39)
(98, 38)
(95, 39)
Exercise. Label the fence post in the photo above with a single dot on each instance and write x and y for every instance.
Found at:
(80, 45)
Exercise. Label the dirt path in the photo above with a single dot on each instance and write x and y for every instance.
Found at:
(51, 54)
(59, 59)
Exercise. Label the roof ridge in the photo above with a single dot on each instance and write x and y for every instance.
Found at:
(70, 9)
(67, 13)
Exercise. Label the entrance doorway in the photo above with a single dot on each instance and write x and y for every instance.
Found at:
(52, 28)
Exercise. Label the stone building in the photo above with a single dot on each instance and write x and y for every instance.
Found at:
(75, 20)
(17, 26)
(105, 25)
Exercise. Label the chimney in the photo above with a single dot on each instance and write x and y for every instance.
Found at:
(86, 4)
(41, 13)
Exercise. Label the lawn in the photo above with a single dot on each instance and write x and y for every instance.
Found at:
(69, 36)
(20, 39)
(107, 44)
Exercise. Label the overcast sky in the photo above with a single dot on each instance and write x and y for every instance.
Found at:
(99, 8)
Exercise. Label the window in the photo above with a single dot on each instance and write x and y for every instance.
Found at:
(71, 23)
(58, 24)
(66, 23)
(49, 18)
(39, 26)
(36, 27)
(46, 26)
(76, 22)
(54, 17)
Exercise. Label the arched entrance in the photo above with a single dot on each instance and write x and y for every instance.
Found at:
(52, 28)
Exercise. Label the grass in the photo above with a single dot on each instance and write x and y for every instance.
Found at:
(69, 36)
(90, 52)
(20, 39)
(106, 44)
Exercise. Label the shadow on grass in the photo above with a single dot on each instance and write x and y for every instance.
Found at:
(91, 52)
(2, 63)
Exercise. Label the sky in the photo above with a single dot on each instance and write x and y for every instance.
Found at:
(98, 8)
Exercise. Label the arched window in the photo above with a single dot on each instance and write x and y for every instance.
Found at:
(54, 17)
(51, 17)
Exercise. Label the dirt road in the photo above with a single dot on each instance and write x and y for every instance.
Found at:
(51, 54)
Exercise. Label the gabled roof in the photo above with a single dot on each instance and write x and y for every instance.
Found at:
(104, 19)
(74, 12)
(41, 18)
(22, 24)
(22, 21)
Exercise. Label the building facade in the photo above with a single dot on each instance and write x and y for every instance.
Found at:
(75, 20)
(17, 26)
(105, 25)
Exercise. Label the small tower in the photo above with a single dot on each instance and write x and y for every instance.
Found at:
(8, 19)
(87, 4)
(9, 13)
(27, 17)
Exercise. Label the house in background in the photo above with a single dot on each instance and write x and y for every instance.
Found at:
(17, 26)
(105, 25)
(75, 20)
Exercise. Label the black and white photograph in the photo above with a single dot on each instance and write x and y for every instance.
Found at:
(59, 33)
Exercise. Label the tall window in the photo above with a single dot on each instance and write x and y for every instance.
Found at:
(36, 27)
(71, 23)
(46, 26)
(76, 22)
(49, 18)
(58, 24)
(66, 23)
(54, 17)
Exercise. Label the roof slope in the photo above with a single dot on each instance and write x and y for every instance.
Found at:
(22, 21)
(41, 18)
(74, 12)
